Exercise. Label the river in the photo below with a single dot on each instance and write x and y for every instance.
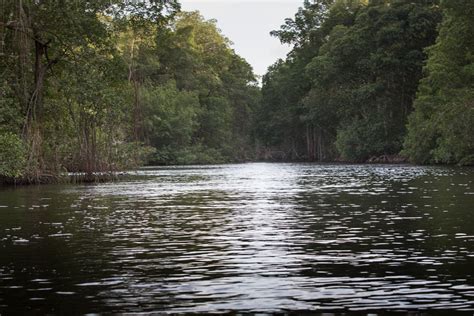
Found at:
(256, 237)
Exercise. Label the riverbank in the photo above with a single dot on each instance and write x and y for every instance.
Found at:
(69, 178)
(77, 177)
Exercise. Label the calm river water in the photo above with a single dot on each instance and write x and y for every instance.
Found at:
(252, 237)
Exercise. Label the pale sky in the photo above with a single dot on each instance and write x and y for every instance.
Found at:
(247, 24)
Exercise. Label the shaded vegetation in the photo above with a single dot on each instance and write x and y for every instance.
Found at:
(96, 87)
(352, 80)
(441, 129)
(103, 86)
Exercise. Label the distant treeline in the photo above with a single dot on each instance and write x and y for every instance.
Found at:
(95, 87)
(378, 80)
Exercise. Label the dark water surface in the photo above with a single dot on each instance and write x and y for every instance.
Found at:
(250, 237)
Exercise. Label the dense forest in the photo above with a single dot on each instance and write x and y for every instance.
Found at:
(360, 70)
(101, 86)
(95, 87)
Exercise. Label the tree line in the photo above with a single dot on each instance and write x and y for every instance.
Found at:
(95, 87)
(101, 86)
(378, 80)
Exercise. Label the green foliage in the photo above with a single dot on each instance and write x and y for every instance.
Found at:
(220, 112)
(171, 115)
(129, 155)
(12, 156)
(352, 142)
(201, 155)
(440, 130)
(10, 115)
(347, 87)
(103, 86)
(97, 87)
(195, 154)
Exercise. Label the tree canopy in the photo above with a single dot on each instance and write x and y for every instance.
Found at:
(101, 86)
(95, 87)
(347, 87)
(441, 129)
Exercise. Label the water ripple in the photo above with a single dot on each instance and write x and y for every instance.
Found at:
(251, 238)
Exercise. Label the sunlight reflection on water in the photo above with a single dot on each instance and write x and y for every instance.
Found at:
(249, 237)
